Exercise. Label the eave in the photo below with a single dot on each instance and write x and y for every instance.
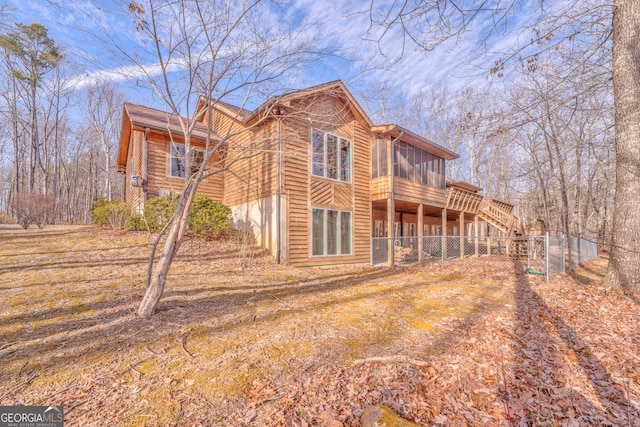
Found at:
(396, 131)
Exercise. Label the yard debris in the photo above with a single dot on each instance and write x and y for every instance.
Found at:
(477, 343)
(381, 416)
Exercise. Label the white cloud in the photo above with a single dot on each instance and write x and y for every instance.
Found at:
(344, 26)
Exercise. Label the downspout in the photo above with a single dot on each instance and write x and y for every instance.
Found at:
(392, 184)
(391, 203)
(145, 166)
(278, 193)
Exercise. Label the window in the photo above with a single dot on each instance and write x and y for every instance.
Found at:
(330, 232)
(417, 165)
(331, 156)
(411, 165)
(178, 163)
(379, 157)
(402, 159)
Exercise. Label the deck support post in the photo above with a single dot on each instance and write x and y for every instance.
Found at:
(444, 235)
(488, 232)
(475, 233)
(390, 228)
(461, 232)
(420, 232)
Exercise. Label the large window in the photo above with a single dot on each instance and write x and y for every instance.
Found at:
(178, 163)
(331, 232)
(331, 156)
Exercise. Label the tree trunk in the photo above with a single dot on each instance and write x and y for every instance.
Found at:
(34, 139)
(624, 263)
(179, 224)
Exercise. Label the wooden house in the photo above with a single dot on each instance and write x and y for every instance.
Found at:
(308, 175)
(151, 155)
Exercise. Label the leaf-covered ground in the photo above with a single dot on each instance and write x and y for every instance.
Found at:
(239, 341)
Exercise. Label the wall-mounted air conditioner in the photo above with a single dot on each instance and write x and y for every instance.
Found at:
(137, 181)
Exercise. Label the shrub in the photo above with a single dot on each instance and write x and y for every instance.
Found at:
(137, 222)
(157, 212)
(114, 214)
(208, 218)
(32, 208)
(98, 212)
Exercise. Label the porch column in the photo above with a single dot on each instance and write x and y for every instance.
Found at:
(391, 204)
(475, 232)
(390, 221)
(420, 232)
(444, 233)
(461, 231)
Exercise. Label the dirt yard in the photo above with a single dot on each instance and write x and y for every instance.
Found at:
(240, 341)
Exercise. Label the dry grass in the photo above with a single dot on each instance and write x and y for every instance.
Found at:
(239, 341)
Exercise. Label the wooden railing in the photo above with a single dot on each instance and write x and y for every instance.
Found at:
(495, 212)
(505, 206)
(462, 200)
(497, 216)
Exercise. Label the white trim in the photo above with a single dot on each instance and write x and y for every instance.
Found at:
(325, 233)
(171, 157)
(338, 157)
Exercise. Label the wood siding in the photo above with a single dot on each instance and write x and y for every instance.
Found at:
(134, 196)
(407, 191)
(250, 157)
(158, 170)
(328, 194)
(305, 191)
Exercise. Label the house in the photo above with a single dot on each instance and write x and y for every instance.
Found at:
(151, 155)
(309, 175)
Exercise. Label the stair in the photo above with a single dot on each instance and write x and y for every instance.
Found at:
(511, 225)
(495, 213)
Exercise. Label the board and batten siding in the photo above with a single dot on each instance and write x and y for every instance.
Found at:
(304, 191)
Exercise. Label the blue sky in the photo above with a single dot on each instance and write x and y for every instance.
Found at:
(362, 64)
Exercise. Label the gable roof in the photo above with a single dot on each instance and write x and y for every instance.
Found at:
(139, 117)
(248, 117)
(404, 134)
(230, 109)
(328, 87)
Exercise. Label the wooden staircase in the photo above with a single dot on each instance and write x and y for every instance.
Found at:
(496, 213)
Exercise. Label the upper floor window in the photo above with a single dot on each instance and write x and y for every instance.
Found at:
(417, 165)
(178, 165)
(331, 156)
(379, 157)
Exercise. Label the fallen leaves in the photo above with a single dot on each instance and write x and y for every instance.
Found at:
(238, 343)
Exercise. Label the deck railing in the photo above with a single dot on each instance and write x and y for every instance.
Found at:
(495, 212)
(462, 200)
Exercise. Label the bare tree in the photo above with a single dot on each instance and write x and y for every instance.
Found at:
(30, 55)
(624, 264)
(102, 111)
(587, 24)
(219, 50)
